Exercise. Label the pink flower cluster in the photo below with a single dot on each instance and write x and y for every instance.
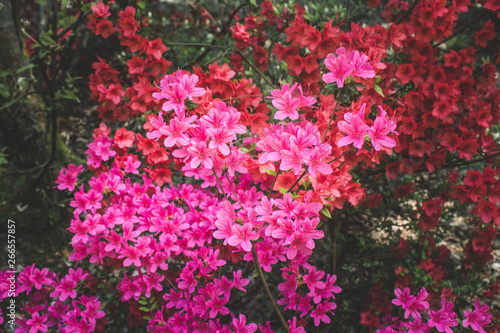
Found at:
(320, 293)
(356, 129)
(288, 100)
(345, 64)
(200, 140)
(295, 145)
(54, 302)
(442, 319)
(67, 177)
(176, 89)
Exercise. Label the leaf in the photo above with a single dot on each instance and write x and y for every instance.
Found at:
(270, 172)
(143, 308)
(143, 303)
(26, 67)
(326, 212)
(282, 190)
(146, 318)
(379, 90)
(254, 3)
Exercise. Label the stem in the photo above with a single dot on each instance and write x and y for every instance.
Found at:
(343, 154)
(297, 181)
(218, 181)
(333, 112)
(268, 291)
(234, 192)
(227, 49)
(408, 12)
(274, 182)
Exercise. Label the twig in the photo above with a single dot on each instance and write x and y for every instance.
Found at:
(218, 181)
(221, 32)
(297, 181)
(268, 291)
(343, 154)
(461, 30)
(227, 49)
(408, 12)
(337, 98)
(274, 182)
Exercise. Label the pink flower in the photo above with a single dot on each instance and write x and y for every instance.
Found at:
(416, 326)
(340, 67)
(355, 128)
(444, 318)
(477, 318)
(320, 314)
(67, 177)
(176, 131)
(37, 323)
(288, 101)
(216, 305)
(242, 235)
(380, 129)
(344, 64)
(131, 165)
(240, 325)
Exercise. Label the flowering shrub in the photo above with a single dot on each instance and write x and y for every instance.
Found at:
(371, 128)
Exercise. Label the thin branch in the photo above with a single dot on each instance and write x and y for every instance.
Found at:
(337, 98)
(221, 33)
(408, 12)
(462, 30)
(268, 291)
(227, 49)
(297, 181)
(274, 182)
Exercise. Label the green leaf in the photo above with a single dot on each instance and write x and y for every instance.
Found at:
(282, 190)
(379, 90)
(143, 303)
(146, 318)
(143, 308)
(26, 67)
(326, 212)
(245, 150)
(254, 3)
(270, 172)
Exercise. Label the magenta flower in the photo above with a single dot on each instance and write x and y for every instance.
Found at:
(67, 177)
(37, 323)
(444, 318)
(380, 130)
(477, 318)
(355, 128)
(288, 101)
(345, 64)
(321, 313)
(411, 304)
(242, 235)
(340, 67)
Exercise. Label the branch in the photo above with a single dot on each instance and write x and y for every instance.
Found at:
(462, 30)
(268, 291)
(220, 34)
(227, 49)
(408, 12)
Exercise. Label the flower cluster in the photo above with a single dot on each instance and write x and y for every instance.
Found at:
(442, 319)
(356, 129)
(345, 64)
(54, 301)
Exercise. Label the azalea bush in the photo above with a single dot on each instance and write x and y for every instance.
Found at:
(303, 173)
